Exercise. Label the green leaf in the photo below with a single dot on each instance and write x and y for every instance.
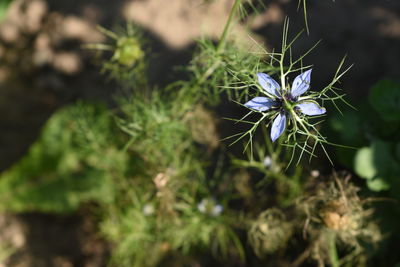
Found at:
(383, 158)
(385, 99)
(397, 151)
(378, 165)
(348, 125)
(364, 163)
(378, 184)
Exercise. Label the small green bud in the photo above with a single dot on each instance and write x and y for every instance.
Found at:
(128, 51)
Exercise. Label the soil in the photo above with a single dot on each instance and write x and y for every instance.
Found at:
(43, 67)
(43, 240)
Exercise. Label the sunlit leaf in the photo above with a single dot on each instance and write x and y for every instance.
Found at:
(363, 163)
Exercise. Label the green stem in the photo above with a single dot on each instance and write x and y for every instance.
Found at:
(224, 35)
(297, 119)
(333, 255)
(288, 105)
(221, 43)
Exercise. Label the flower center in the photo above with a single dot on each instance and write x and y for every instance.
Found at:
(288, 102)
(290, 98)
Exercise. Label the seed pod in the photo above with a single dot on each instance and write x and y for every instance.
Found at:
(270, 232)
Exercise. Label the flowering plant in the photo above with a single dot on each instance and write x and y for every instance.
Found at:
(288, 107)
(285, 104)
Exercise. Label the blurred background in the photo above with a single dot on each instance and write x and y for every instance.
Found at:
(43, 67)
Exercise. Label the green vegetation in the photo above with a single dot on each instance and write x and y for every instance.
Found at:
(169, 190)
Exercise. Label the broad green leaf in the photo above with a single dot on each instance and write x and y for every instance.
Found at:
(383, 158)
(364, 163)
(385, 99)
(397, 151)
(348, 125)
(378, 165)
(378, 184)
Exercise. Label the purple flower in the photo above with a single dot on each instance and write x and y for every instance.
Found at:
(281, 100)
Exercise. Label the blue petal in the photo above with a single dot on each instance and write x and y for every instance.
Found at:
(311, 108)
(268, 84)
(301, 84)
(278, 126)
(260, 103)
